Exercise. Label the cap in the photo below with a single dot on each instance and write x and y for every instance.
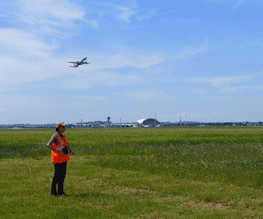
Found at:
(61, 124)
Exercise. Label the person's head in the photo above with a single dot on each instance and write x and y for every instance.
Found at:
(60, 128)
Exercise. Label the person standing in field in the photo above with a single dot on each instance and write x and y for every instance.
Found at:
(59, 156)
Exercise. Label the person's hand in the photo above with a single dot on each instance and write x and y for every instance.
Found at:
(71, 153)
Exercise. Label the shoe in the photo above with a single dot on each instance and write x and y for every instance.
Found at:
(54, 193)
(63, 194)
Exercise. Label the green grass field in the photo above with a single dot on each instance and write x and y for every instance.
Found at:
(177, 172)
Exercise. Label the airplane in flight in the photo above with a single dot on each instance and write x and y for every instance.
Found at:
(76, 64)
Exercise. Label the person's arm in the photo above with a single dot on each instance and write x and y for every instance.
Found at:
(49, 145)
(70, 151)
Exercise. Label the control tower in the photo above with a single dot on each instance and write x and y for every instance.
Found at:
(108, 118)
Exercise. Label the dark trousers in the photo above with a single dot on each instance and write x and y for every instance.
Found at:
(59, 176)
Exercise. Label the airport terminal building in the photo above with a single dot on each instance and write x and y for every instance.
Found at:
(148, 122)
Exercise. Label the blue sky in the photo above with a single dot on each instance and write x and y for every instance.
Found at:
(201, 59)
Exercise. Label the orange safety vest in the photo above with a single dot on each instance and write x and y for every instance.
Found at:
(55, 156)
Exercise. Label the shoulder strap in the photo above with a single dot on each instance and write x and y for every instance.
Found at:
(61, 140)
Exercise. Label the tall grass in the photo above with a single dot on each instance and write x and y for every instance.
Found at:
(237, 164)
(229, 155)
(32, 141)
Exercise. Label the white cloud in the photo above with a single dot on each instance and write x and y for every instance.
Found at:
(147, 15)
(126, 13)
(230, 89)
(118, 11)
(235, 3)
(131, 60)
(239, 3)
(200, 92)
(258, 87)
(50, 16)
(52, 12)
(93, 23)
(191, 50)
(18, 42)
(124, 57)
(220, 81)
(16, 71)
(224, 83)
(26, 58)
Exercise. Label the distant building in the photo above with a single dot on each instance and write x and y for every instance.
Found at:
(148, 122)
(96, 124)
(188, 123)
(165, 124)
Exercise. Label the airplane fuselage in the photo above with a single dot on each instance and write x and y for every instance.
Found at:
(76, 64)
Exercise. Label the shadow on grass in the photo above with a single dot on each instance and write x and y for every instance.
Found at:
(82, 195)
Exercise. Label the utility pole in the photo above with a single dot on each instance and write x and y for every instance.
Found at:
(180, 119)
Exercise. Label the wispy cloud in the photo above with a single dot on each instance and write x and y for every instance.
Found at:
(239, 3)
(48, 16)
(235, 3)
(123, 11)
(124, 57)
(93, 23)
(191, 50)
(201, 92)
(232, 89)
(25, 58)
(54, 12)
(220, 81)
(258, 87)
(225, 84)
(15, 42)
(130, 59)
(126, 13)
(150, 14)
